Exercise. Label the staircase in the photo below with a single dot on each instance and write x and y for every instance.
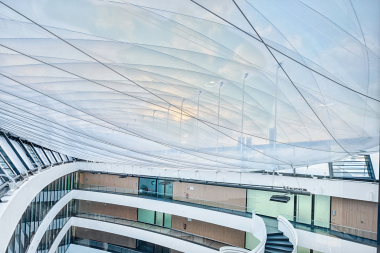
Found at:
(278, 243)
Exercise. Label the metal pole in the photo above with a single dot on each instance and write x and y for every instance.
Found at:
(154, 111)
(167, 128)
(275, 112)
(180, 125)
(153, 130)
(217, 133)
(242, 116)
(196, 142)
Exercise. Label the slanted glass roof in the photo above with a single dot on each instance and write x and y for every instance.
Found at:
(225, 84)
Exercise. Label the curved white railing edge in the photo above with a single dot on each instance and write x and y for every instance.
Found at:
(134, 232)
(259, 231)
(15, 204)
(229, 249)
(45, 223)
(61, 234)
(289, 231)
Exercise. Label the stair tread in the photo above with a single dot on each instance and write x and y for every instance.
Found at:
(280, 248)
(280, 243)
(277, 233)
(272, 251)
(277, 237)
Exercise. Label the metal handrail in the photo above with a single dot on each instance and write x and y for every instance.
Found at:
(3, 191)
(5, 184)
(242, 211)
(24, 178)
(85, 243)
(153, 228)
(331, 227)
(119, 190)
(238, 210)
(11, 182)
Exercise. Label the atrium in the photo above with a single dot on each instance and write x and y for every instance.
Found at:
(196, 126)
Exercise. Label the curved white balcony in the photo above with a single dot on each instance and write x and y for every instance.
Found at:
(141, 234)
(15, 205)
(197, 213)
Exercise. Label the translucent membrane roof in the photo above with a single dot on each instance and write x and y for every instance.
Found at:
(225, 84)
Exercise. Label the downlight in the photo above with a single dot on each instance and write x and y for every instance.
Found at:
(280, 198)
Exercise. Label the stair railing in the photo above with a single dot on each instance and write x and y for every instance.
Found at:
(289, 231)
(258, 230)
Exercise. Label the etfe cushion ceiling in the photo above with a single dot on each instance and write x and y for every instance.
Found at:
(193, 84)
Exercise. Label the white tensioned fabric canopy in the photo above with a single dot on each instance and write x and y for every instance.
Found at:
(217, 84)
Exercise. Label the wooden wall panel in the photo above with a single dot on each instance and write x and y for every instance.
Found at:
(108, 209)
(228, 195)
(212, 231)
(354, 213)
(101, 236)
(109, 180)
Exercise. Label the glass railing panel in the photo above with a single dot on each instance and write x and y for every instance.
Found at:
(104, 246)
(298, 222)
(212, 205)
(154, 228)
(353, 234)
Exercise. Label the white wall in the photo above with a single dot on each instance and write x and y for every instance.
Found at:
(160, 239)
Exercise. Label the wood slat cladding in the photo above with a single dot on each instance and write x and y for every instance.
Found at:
(354, 214)
(101, 236)
(109, 180)
(108, 209)
(228, 195)
(209, 230)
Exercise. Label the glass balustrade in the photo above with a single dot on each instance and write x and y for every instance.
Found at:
(154, 228)
(347, 233)
(352, 234)
(212, 205)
